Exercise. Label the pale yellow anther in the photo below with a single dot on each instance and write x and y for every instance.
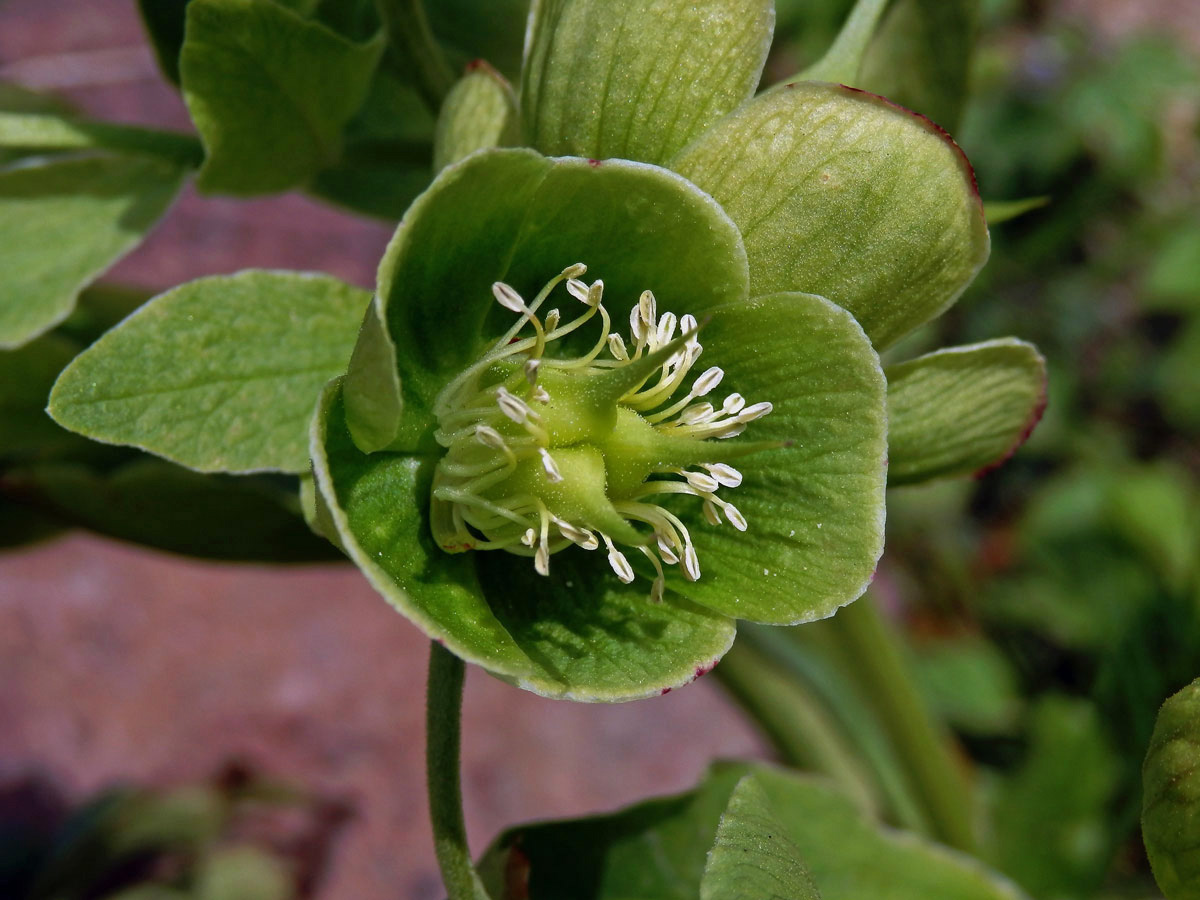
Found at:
(726, 475)
(616, 346)
(487, 511)
(508, 298)
(550, 466)
(706, 382)
(578, 290)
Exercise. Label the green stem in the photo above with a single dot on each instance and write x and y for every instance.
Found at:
(409, 34)
(802, 731)
(31, 131)
(874, 656)
(842, 60)
(443, 713)
(811, 657)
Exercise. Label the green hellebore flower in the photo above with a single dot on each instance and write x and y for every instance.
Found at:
(553, 499)
(494, 475)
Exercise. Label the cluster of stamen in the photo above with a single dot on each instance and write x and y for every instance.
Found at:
(493, 422)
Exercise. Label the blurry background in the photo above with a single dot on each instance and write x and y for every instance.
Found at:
(1053, 603)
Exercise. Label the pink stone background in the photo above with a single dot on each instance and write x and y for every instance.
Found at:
(121, 663)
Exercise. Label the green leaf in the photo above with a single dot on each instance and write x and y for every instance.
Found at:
(1000, 211)
(385, 159)
(62, 223)
(31, 132)
(163, 20)
(814, 505)
(243, 873)
(1171, 804)
(968, 683)
(608, 78)
(22, 525)
(921, 57)
(480, 112)
(850, 857)
(472, 30)
(753, 858)
(657, 849)
(374, 401)
(1178, 378)
(840, 193)
(571, 635)
(269, 92)
(160, 505)
(220, 374)
(515, 216)
(1154, 509)
(16, 99)
(26, 376)
(1173, 281)
(100, 308)
(1051, 819)
(962, 409)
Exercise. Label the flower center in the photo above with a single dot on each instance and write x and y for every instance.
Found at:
(544, 452)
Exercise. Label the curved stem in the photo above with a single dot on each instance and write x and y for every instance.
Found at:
(410, 36)
(442, 739)
(875, 658)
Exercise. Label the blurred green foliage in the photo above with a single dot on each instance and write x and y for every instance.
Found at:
(238, 837)
(1053, 604)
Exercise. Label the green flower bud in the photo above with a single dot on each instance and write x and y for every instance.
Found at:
(1171, 801)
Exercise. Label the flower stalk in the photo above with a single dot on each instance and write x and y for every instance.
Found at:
(874, 658)
(443, 730)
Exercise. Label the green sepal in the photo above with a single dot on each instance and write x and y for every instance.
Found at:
(962, 410)
(1171, 799)
(515, 216)
(842, 60)
(63, 221)
(479, 112)
(609, 78)
(815, 504)
(921, 57)
(658, 848)
(841, 193)
(579, 634)
(269, 92)
(374, 402)
(269, 341)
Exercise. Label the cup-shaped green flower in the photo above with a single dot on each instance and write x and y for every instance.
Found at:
(574, 449)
